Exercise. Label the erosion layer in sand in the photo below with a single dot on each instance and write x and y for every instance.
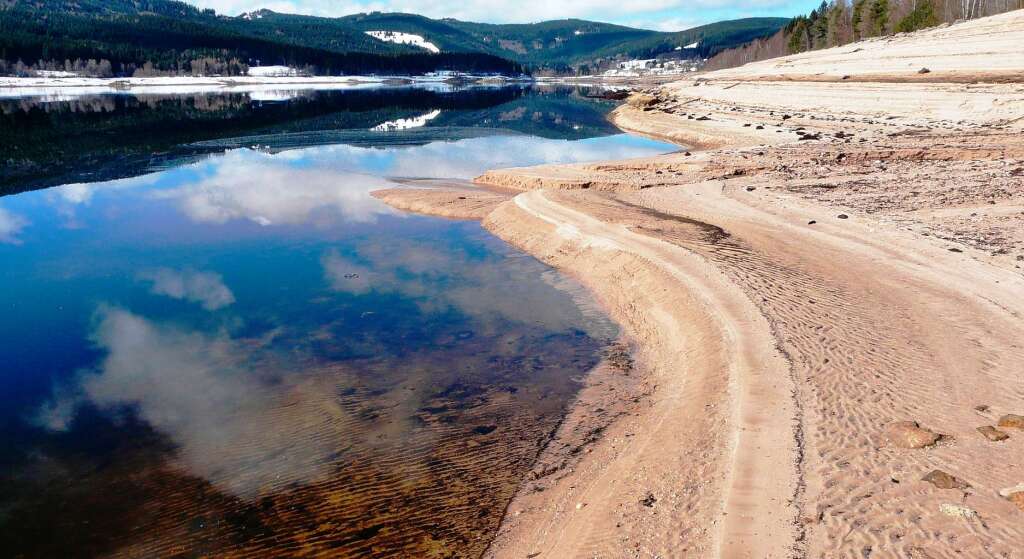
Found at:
(848, 257)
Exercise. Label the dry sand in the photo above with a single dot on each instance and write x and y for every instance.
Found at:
(853, 263)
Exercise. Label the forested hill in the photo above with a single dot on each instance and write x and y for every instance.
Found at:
(161, 36)
(172, 35)
(568, 42)
(838, 22)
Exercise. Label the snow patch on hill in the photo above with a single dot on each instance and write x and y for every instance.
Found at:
(404, 39)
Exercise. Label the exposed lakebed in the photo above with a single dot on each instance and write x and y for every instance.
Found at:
(237, 351)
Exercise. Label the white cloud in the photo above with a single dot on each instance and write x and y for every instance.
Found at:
(325, 183)
(443, 277)
(270, 191)
(237, 417)
(11, 225)
(205, 288)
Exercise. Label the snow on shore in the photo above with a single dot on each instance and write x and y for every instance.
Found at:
(273, 71)
(65, 87)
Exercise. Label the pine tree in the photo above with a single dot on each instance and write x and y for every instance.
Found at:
(879, 17)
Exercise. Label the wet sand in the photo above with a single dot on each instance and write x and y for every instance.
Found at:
(843, 255)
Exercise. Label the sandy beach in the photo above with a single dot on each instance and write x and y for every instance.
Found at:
(836, 249)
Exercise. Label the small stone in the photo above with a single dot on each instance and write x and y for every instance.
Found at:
(811, 222)
(1017, 499)
(942, 480)
(579, 506)
(949, 509)
(1014, 494)
(982, 408)
(1012, 421)
(992, 434)
(649, 500)
(843, 216)
(751, 188)
(924, 71)
(908, 434)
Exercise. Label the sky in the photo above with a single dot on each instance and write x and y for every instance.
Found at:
(662, 15)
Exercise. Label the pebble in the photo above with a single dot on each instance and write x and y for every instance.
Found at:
(992, 434)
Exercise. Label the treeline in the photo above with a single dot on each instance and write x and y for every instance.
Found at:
(839, 22)
(170, 45)
(103, 68)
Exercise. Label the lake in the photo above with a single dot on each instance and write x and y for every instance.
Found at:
(216, 342)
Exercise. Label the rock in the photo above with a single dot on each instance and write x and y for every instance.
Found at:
(843, 216)
(759, 127)
(648, 500)
(949, 509)
(942, 480)
(982, 408)
(1012, 421)
(751, 188)
(642, 101)
(1017, 499)
(992, 434)
(908, 434)
(1014, 494)
(924, 71)
(811, 222)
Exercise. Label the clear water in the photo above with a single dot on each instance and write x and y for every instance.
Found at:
(239, 351)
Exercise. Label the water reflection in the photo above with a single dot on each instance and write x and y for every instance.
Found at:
(11, 225)
(248, 354)
(205, 288)
(110, 136)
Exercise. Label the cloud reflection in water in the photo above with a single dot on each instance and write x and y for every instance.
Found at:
(237, 418)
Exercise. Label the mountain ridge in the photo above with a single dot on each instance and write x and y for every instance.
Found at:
(171, 33)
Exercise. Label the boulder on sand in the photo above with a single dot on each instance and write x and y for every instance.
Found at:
(908, 434)
(642, 100)
(1012, 420)
(1014, 494)
(992, 434)
(942, 480)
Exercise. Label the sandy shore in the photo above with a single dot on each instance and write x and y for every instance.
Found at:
(842, 256)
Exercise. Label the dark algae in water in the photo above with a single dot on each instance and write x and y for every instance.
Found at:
(244, 354)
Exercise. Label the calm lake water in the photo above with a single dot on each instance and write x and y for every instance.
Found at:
(215, 342)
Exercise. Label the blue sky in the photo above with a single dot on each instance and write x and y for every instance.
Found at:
(666, 15)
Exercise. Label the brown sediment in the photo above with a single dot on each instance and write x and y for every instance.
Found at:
(853, 263)
(421, 466)
(456, 204)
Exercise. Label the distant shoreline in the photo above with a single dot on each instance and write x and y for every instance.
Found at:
(23, 87)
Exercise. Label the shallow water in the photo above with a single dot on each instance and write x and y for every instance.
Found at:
(245, 354)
